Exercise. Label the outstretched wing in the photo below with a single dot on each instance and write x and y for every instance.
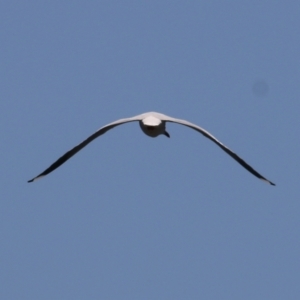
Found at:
(77, 148)
(212, 138)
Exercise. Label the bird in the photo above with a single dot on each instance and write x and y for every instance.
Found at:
(152, 124)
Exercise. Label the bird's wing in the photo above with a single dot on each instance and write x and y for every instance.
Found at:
(77, 148)
(212, 138)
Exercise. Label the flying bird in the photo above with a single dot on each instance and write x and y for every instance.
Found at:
(152, 124)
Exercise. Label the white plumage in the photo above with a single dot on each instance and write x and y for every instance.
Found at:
(152, 124)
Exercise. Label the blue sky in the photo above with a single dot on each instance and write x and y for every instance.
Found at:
(131, 217)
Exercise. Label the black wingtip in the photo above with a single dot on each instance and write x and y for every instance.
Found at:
(31, 180)
(268, 181)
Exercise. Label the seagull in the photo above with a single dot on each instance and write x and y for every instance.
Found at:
(152, 124)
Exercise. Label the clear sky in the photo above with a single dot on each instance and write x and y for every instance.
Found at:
(131, 217)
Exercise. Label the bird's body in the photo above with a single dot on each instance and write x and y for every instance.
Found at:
(152, 124)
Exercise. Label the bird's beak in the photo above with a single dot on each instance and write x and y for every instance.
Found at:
(166, 134)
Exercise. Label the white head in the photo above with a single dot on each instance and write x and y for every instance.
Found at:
(153, 126)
